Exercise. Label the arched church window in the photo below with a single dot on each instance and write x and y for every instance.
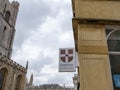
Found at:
(7, 16)
(18, 82)
(3, 75)
(4, 31)
(113, 40)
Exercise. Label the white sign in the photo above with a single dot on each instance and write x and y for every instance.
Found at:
(67, 60)
(76, 60)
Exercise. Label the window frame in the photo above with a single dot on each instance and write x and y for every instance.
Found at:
(7, 16)
(5, 72)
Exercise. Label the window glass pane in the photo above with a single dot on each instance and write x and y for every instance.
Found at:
(18, 80)
(7, 16)
(3, 74)
(115, 70)
(1, 79)
(108, 31)
(115, 64)
(115, 35)
(114, 41)
(114, 45)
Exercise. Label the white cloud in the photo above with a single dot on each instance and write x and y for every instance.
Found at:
(48, 70)
(42, 28)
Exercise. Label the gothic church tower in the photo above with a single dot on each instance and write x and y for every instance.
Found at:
(12, 74)
(8, 14)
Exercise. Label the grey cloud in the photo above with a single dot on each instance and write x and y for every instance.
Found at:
(31, 18)
(60, 79)
(40, 63)
(34, 14)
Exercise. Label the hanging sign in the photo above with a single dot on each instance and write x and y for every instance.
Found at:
(67, 60)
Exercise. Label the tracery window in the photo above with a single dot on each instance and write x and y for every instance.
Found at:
(3, 75)
(113, 40)
(7, 16)
(18, 82)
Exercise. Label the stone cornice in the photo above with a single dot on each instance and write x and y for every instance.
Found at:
(104, 22)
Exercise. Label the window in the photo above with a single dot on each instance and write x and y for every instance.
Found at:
(4, 30)
(7, 16)
(113, 40)
(18, 83)
(3, 75)
(4, 35)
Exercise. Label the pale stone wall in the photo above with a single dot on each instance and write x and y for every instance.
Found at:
(89, 21)
(97, 9)
(95, 72)
(6, 44)
(14, 70)
(91, 39)
(7, 31)
(13, 7)
(93, 57)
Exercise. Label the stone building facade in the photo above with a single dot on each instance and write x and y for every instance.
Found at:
(96, 27)
(49, 87)
(8, 15)
(12, 75)
(30, 86)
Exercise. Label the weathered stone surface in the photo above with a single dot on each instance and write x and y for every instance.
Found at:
(95, 72)
(97, 9)
(89, 23)
(14, 70)
(91, 39)
(8, 14)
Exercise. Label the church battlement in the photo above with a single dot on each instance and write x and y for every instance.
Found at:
(12, 63)
(15, 4)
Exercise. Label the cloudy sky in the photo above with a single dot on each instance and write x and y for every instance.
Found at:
(43, 26)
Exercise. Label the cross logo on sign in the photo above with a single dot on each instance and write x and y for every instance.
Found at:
(66, 55)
